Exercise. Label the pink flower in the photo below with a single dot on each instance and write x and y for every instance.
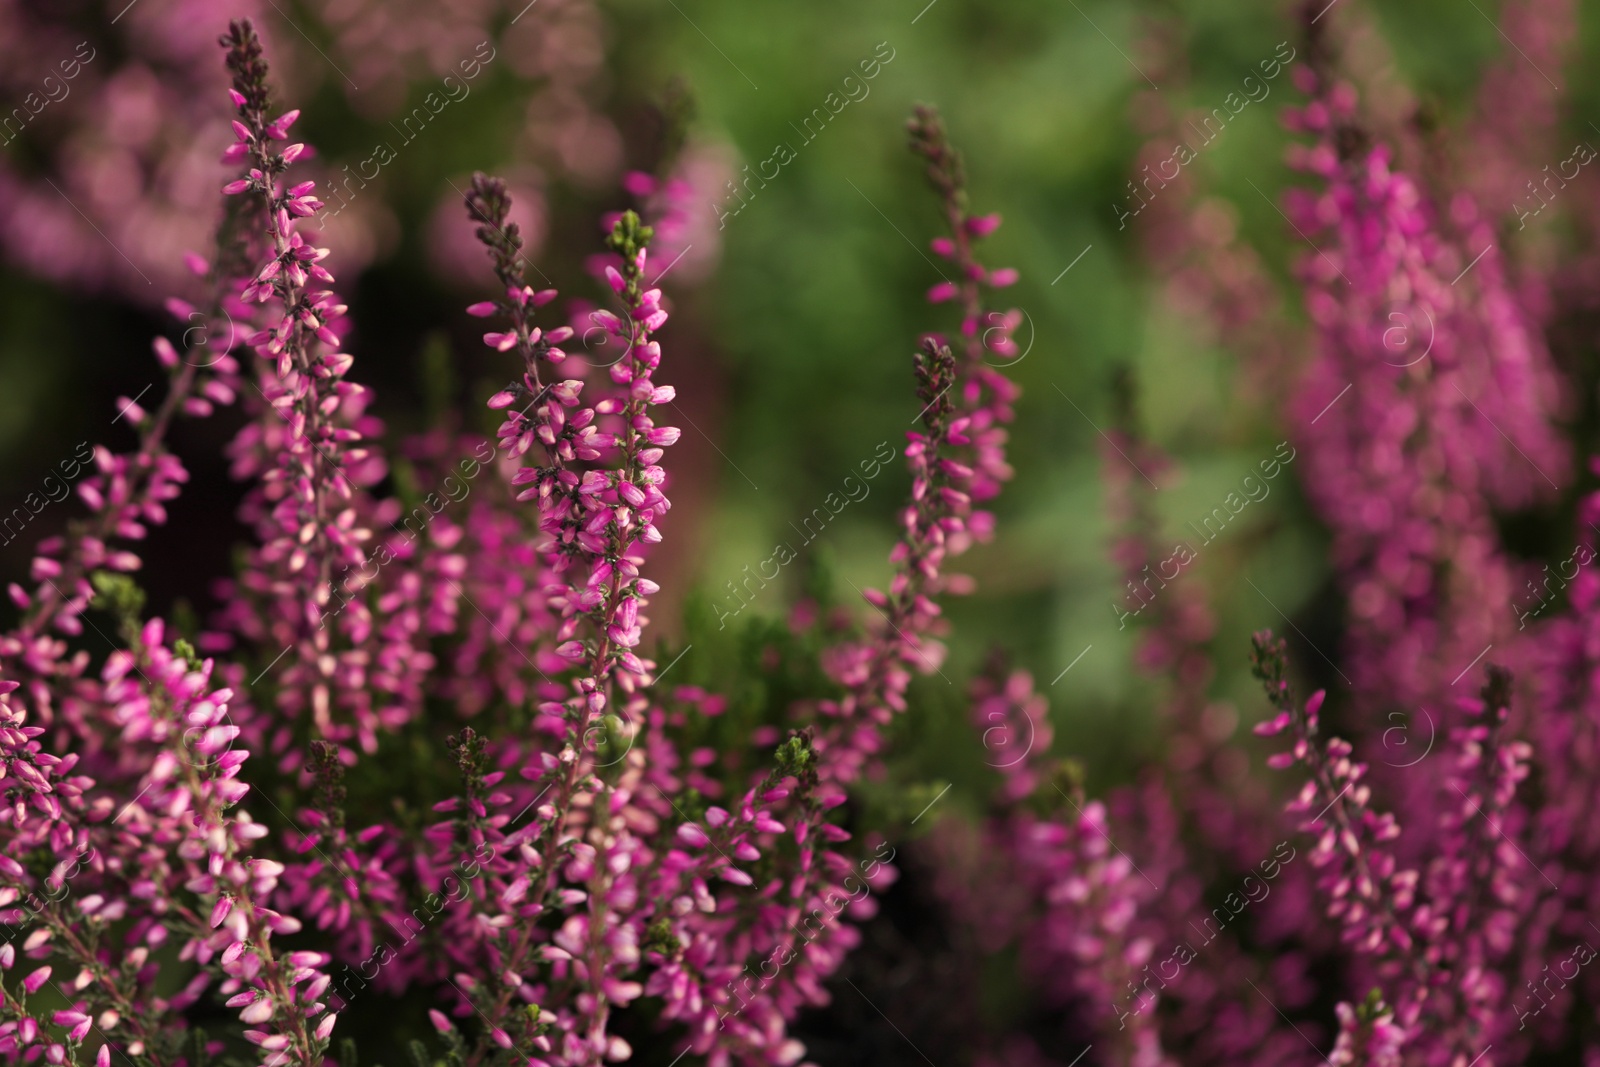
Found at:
(36, 979)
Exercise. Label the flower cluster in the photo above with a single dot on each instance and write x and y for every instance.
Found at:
(586, 853)
(1450, 407)
(110, 120)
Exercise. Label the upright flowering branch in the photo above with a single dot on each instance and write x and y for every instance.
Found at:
(633, 500)
(128, 493)
(1081, 927)
(174, 859)
(1517, 110)
(985, 395)
(1477, 877)
(1449, 409)
(1371, 900)
(982, 331)
(1225, 810)
(598, 520)
(306, 510)
(957, 461)
(166, 696)
(1564, 835)
(1368, 1035)
(596, 523)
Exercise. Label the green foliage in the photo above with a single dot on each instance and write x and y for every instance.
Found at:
(119, 596)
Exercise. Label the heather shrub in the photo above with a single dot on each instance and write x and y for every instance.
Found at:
(434, 778)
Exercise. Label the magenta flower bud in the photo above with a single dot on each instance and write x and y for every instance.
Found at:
(983, 225)
(1276, 725)
(692, 834)
(36, 979)
(257, 1012)
(483, 309)
(102, 1058)
(942, 292)
(219, 910)
(440, 1023)
(614, 278)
